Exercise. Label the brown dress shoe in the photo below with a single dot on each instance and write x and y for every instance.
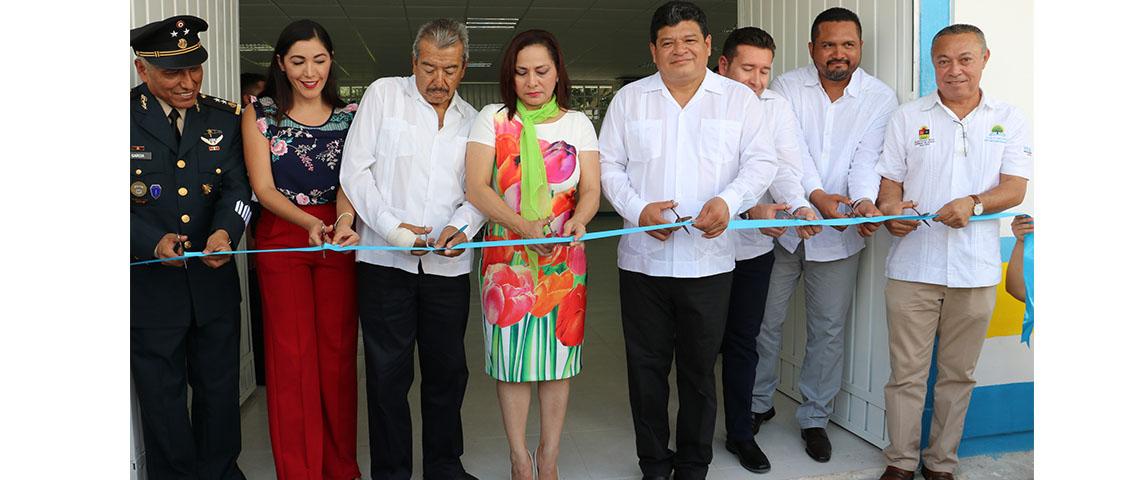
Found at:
(932, 475)
(895, 473)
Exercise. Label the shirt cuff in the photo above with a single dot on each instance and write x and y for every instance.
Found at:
(811, 185)
(386, 224)
(733, 200)
(635, 206)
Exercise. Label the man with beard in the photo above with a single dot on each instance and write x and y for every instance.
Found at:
(843, 113)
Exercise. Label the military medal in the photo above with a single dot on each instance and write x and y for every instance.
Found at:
(155, 191)
(212, 138)
(138, 192)
(207, 189)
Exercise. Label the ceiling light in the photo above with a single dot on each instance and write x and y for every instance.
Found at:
(503, 23)
(255, 47)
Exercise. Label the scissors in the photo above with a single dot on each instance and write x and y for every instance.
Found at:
(920, 214)
(457, 232)
(681, 219)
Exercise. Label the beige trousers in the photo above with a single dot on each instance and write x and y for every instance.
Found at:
(916, 313)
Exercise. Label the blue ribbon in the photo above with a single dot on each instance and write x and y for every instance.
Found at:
(1027, 271)
(732, 225)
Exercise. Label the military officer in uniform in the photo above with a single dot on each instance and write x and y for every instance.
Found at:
(189, 192)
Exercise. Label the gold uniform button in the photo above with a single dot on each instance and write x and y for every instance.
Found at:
(182, 191)
(218, 171)
(185, 218)
(138, 171)
(186, 244)
(181, 164)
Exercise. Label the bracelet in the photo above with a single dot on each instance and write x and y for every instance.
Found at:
(337, 222)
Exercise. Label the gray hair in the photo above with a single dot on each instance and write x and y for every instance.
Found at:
(960, 28)
(443, 32)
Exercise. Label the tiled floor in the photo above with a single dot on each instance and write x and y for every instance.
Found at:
(598, 441)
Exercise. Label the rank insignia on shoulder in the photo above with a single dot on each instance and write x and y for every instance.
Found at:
(142, 101)
(222, 104)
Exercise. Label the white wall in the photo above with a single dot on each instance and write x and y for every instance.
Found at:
(1008, 26)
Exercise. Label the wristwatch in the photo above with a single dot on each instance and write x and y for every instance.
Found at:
(978, 208)
(744, 215)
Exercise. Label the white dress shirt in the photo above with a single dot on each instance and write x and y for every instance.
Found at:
(787, 187)
(718, 145)
(843, 141)
(939, 158)
(400, 168)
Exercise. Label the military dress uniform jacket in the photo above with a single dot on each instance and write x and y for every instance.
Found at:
(192, 188)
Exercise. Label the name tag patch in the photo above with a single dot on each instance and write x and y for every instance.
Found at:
(140, 155)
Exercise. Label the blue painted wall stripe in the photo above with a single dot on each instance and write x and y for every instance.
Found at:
(933, 15)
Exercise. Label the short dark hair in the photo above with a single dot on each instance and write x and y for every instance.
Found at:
(511, 59)
(278, 87)
(250, 79)
(676, 12)
(753, 36)
(959, 28)
(835, 14)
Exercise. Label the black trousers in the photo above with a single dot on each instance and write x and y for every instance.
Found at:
(398, 311)
(738, 352)
(204, 443)
(663, 316)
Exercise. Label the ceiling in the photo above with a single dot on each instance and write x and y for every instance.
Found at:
(601, 39)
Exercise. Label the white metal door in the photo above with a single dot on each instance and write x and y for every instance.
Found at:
(888, 54)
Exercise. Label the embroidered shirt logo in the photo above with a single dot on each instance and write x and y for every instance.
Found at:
(924, 137)
(997, 134)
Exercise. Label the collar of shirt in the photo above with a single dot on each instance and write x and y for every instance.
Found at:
(853, 88)
(166, 108)
(411, 91)
(935, 99)
(712, 83)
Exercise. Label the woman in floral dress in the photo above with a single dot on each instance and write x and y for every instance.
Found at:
(533, 169)
(293, 140)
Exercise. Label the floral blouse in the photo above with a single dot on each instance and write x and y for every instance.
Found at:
(305, 159)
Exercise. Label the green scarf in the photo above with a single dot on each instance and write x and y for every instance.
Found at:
(534, 195)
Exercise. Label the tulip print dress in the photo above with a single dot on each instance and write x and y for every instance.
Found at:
(534, 319)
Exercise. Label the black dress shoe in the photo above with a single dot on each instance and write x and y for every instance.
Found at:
(750, 455)
(818, 446)
(758, 418)
(655, 477)
(468, 476)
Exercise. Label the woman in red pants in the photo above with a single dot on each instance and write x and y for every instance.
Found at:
(294, 136)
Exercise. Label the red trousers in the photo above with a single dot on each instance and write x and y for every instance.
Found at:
(309, 311)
